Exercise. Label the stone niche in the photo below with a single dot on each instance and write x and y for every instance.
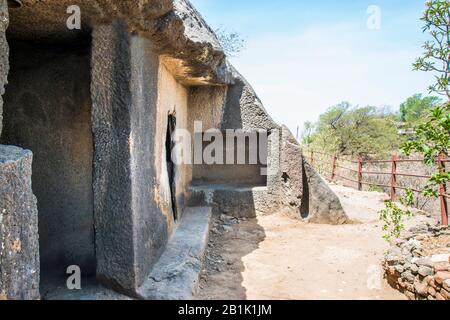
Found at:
(248, 152)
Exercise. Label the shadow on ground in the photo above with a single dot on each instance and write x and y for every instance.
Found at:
(231, 239)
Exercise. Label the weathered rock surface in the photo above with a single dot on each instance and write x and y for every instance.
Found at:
(190, 47)
(176, 274)
(291, 173)
(239, 202)
(19, 244)
(243, 108)
(424, 276)
(4, 53)
(324, 205)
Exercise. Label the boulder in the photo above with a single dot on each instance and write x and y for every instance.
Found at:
(441, 277)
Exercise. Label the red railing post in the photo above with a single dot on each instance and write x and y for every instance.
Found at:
(394, 178)
(360, 175)
(334, 167)
(443, 192)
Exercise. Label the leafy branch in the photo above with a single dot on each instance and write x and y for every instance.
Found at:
(393, 216)
(436, 56)
(432, 139)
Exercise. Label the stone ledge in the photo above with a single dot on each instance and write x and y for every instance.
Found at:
(234, 200)
(176, 274)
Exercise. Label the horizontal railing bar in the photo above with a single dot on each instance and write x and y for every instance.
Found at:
(375, 172)
(374, 184)
(412, 175)
(376, 161)
(345, 168)
(345, 178)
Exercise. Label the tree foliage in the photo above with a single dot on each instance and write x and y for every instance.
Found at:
(432, 139)
(415, 107)
(393, 216)
(436, 57)
(354, 131)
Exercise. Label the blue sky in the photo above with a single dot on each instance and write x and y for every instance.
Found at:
(305, 56)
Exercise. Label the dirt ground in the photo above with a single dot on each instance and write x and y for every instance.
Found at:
(277, 257)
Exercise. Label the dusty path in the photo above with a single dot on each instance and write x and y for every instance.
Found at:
(276, 257)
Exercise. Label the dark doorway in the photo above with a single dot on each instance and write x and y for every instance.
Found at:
(171, 168)
(48, 110)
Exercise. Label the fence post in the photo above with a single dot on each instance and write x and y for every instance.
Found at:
(442, 193)
(394, 178)
(312, 158)
(334, 167)
(360, 175)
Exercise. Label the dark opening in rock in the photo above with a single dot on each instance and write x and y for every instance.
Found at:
(304, 208)
(171, 168)
(48, 111)
(14, 4)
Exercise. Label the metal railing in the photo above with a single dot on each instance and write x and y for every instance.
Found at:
(335, 164)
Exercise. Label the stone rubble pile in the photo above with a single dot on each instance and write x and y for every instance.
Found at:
(420, 276)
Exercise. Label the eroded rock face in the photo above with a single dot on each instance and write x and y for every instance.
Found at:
(291, 173)
(189, 46)
(4, 53)
(19, 244)
(243, 108)
(303, 193)
(324, 205)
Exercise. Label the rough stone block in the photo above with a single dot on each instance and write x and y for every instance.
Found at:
(324, 205)
(425, 271)
(432, 291)
(445, 294)
(410, 295)
(176, 274)
(19, 241)
(421, 288)
(440, 277)
(292, 172)
(441, 266)
(446, 285)
(439, 297)
(4, 54)
(239, 202)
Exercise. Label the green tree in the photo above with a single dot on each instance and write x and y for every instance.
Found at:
(308, 129)
(355, 131)
(436, 57)
(414, 107)
(432, 138)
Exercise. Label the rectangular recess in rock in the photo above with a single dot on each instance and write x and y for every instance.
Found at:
(47, 109)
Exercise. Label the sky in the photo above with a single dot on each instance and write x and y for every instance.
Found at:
(303, 57)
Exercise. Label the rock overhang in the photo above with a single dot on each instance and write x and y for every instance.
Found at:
(188, 46)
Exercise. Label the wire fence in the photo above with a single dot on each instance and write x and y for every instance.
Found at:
(360, 173)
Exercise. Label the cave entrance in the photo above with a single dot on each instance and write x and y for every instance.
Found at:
(171, 167)
(48, 111)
